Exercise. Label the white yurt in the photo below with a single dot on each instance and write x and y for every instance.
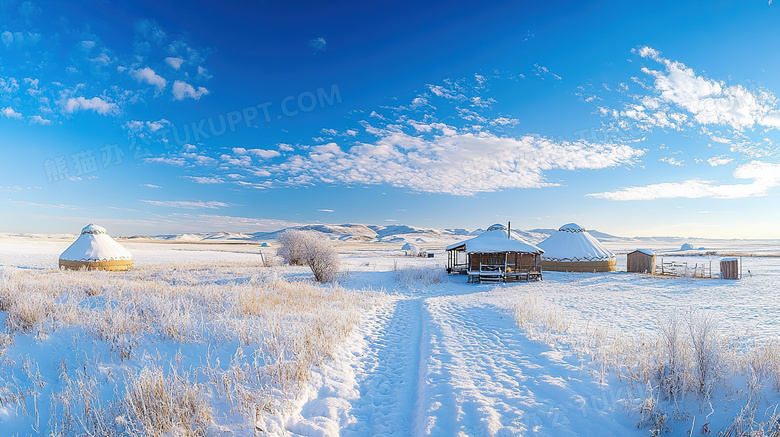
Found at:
(96, 250)
(411, 249)
(573, 249)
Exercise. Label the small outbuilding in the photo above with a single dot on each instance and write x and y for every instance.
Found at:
(495, 255)
(641, 261)
(729, 268)
(96, 250)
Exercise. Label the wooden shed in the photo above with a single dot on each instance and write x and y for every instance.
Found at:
(641, 261)
(729, 268)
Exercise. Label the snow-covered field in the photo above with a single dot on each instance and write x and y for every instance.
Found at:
(416, 353)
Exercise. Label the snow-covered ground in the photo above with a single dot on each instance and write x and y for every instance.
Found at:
(438, 356)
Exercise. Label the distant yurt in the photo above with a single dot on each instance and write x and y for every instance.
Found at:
(686, 246)
(96, 250)
(729, 268)
(411, 249)
(573, 249)
(641, 261)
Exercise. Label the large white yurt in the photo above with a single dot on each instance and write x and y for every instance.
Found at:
(96, 250)
(573, 249)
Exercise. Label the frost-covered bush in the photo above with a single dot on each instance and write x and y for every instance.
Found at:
(703, 330)
(311, 249)
(292, 250)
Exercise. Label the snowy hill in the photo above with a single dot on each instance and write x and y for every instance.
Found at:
(369, 233)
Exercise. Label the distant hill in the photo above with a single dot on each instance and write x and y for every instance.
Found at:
(370, 233)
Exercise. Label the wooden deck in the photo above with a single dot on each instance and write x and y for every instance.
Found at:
(498, 273)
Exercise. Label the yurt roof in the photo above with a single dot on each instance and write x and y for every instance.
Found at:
(496, 240)
(95, 245)
(409, 246)
(572, 243)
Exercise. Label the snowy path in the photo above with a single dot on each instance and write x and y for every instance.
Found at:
(457, 365)
(388, 376)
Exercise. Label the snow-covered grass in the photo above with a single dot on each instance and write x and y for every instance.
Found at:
(420, 276)
(684, 370)
(243, 345)
(182, 348)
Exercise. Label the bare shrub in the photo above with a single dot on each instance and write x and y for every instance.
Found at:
(292, 248)
(674, 354)
(312, 249)
(702, 328)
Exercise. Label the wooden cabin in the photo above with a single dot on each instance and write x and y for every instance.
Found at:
(495, 255)
(641, 261)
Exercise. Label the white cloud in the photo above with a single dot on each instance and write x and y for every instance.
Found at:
(764, 176)
(9, 85)
(182, 90)
(448, 161)
(151, 186)
(37, 119)
(326, 210)
(9, 112)
(241, 161)
(285, 147)
(719, 160)
(672, 161)
(184, 204)
(708, 101)
(137, 126)
(544, 72)
(174, 62)
(149, 76)
(95, 104)
(170, 160)
(318, 43)
(102, 59)
(208, 180)
(18, 39)
(204, 73)
(265, 154)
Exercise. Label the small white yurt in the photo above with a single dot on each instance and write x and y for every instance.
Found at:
(573, 249)
(411, 249)
(96, 250)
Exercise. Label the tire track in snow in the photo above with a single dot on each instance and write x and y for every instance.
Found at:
(387, 379)
(457, 365)
(482, 377)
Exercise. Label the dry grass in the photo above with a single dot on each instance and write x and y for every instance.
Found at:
(276, 330)
(689, 359)
(420, 276)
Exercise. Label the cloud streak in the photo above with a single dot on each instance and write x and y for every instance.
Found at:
(764, 176)
(184, 204)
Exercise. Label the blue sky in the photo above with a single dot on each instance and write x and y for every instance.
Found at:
(632, 118)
